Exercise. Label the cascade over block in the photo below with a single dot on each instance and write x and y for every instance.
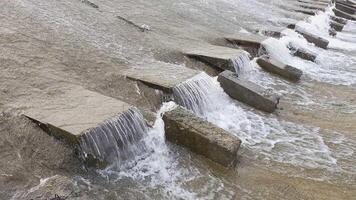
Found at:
(248, 92)
(217, 56)
(279, 68)
(184, 128)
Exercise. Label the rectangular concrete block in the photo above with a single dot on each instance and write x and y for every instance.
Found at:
(302, 53)
(244, 39)
(276, 67)
(184, 128)
(161, 75)
(339, 19)
(318, 41)
(336, 25)
(71, 112)
(248, 92)
(216, 56)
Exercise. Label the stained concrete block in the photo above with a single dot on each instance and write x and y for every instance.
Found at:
(343, 14)
(304, 54)
(318, 41)
(336, 26)
(184, 128)
(217, 56)
(162, 76)
(276, 67)
(248, 92)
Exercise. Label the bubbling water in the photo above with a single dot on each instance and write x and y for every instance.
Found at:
(271, 138)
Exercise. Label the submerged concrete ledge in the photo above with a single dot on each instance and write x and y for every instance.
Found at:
(162, 76)
(248, 92)
(184, 128)
(216, 56)
(276, 67)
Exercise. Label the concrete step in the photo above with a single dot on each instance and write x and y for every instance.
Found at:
(318, 41)
(184, 128)
(70, 113)
(248, 92)
(281, 69)
(215, 56)
(161, 76)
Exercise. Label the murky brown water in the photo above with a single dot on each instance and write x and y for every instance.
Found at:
(47, 44)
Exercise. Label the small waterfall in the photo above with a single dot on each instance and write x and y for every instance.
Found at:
(267, 136)
(117, 139)
(241, 63)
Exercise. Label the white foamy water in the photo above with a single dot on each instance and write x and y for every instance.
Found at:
(350, 27)
(331, 66)
(267, 136)
(242, 63)
(160, 168)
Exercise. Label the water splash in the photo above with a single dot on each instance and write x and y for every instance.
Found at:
(241, 63)
(269, 137)
(117, 139)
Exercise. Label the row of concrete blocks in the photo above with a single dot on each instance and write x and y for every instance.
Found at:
(74, 112)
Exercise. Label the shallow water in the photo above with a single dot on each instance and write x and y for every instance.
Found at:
(305, 150)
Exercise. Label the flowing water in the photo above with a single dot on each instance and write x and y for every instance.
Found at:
(306, 150)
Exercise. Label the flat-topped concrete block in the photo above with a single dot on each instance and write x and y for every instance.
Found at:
(338, 19)
(276, 67)
(336, 25)
(161, 75)
(244, 39)
(248, 92)
(318, 41)
(303, 53)
(343, 14)
(74, 114)
(217, 56)
(249, 42)
(184, 128)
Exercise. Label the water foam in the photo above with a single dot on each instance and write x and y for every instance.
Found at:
(272, 138)
(117, 139)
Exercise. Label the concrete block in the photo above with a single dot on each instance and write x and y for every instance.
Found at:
(336, 25)
(161, 76)
(338, 19)
(184, 128)
(244, 39)
(71, 113)
(248, 92)
(216, 56)
(343, 14)
(318, 41)
(304, 54)
(276, 67)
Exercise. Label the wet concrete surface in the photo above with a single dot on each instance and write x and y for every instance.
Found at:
(48, 44)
